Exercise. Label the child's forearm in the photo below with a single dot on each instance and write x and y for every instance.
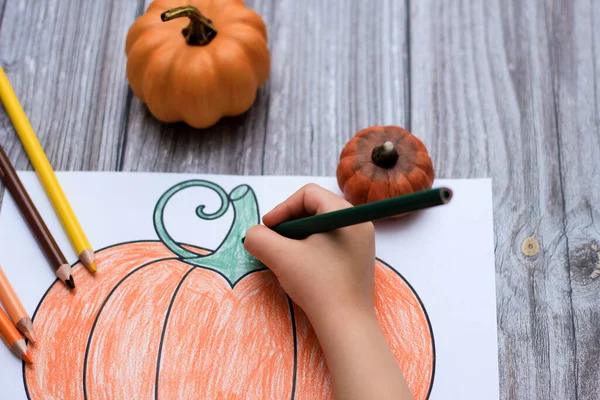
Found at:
(358, 357)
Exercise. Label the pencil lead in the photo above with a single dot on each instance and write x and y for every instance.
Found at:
(30, 336)
(27, 358)
(25, 326)
(70, 282)
(92, 267)
(64, 274)
(87, 258)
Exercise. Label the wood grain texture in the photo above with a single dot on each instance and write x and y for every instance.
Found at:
(337, 67)
(65, 60)
(2, 9)
(575, 65)
(482, 100)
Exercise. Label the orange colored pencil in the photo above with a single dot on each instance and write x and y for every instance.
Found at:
(13, 338)
(14, 307)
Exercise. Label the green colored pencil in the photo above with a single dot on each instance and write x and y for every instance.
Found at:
(304, 227)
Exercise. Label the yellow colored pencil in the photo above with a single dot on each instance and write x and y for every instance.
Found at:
(45, 173)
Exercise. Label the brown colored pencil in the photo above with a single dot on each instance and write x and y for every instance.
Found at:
(14, 307)
(13, 338)
(35, 221)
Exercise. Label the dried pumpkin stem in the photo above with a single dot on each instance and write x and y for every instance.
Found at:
(385, 156)
(199, 32)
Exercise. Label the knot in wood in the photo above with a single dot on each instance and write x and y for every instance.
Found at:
(530, 247)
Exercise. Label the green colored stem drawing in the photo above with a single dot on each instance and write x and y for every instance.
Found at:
(230, 259)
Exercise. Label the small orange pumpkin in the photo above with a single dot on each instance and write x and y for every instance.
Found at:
(382, 162)
(199, 62)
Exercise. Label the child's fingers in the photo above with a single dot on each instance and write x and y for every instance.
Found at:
(269, 247)
(309, 200)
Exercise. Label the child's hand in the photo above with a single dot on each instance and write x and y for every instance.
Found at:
(324, 273)
(330, 275)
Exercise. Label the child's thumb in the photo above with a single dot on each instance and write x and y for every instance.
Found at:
(268, 246)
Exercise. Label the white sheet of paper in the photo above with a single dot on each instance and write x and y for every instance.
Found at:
(445, 253)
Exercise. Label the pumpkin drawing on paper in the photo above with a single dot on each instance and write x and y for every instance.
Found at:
(197, 61)
(164, 320)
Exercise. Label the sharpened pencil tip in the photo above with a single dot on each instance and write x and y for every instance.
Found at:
(87, 259)
(70, 282)
(30, 336)
(27, 358)
(92, 267)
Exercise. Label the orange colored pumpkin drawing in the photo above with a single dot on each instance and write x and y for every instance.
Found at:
(164, 320)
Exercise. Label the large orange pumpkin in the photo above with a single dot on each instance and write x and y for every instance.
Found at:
(169, 321)
(197, 61)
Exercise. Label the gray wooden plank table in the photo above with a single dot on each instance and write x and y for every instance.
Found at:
(507, 89)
